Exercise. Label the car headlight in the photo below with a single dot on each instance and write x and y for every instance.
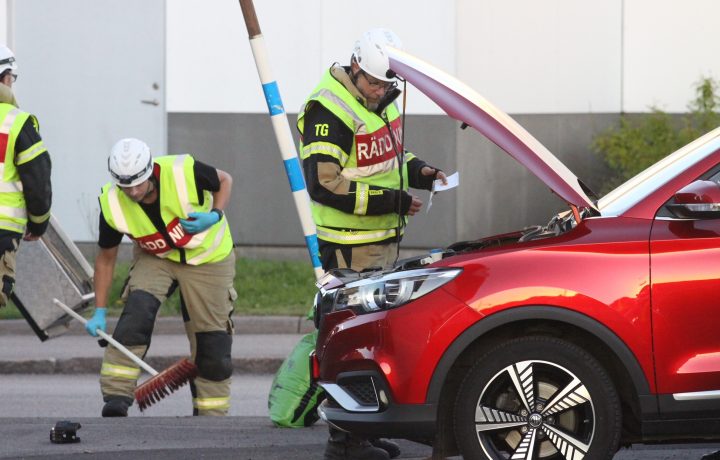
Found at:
(388, 291)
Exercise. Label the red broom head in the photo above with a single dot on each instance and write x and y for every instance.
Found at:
(166, 382)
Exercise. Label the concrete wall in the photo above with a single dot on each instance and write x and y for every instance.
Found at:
(496, 193)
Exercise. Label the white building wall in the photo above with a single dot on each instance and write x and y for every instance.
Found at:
(554, 56)
(669, 46)
(5, 31)
(210, 66)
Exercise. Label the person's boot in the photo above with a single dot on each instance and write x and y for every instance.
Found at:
(712, 456)
(392, 448)
(116, 406)
(344, 446)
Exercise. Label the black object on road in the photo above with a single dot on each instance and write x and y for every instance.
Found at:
(64, 432)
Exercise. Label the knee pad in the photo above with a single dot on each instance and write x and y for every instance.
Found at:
(137, 320)
(8, 283)
(213, 355)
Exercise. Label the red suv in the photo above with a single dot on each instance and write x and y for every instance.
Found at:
(560, 341)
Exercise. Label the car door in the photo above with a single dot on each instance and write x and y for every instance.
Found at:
(685, 290)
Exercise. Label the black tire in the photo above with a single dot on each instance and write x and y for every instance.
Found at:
(507, 407)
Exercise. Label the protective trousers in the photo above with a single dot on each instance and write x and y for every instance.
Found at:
(358, 258)
(8, 249)
(207, 296)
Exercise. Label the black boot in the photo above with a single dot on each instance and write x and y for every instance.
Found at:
(116, 406)
(344, 446)
(712, 456)
(392, 448)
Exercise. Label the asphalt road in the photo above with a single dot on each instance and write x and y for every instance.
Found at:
(32, 404)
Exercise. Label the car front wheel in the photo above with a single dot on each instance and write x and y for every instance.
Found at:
(537, 398)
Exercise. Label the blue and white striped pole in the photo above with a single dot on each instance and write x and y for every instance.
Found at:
(283, 135)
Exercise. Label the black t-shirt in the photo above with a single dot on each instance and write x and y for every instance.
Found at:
(206, 178)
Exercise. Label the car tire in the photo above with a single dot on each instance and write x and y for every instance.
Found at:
(537, 398)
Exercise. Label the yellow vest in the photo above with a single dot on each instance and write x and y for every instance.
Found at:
(178, 198)
(13, 215)
(371, 162)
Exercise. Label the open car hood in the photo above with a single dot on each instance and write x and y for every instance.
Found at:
(464, 104)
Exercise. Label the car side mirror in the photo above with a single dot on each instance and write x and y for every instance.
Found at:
(697, 200)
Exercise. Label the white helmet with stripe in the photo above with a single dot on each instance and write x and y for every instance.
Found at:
(7, 59)
(130, 162)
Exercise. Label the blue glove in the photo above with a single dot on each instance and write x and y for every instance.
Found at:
(199, 221)
(96, 322)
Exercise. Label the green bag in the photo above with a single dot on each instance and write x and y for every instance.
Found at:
(294, 397)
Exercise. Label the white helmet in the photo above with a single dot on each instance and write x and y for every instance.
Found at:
(370, 53)
(7, 59)
(130, 162)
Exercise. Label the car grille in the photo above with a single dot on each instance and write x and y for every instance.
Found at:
(362, 389)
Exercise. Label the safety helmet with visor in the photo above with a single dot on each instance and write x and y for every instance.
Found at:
(371, 56)
(7, 60)
(130, 162)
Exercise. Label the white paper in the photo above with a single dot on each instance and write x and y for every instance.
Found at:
(453, 181)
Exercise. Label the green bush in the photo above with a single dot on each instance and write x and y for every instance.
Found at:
(638, 142)
(264, 287)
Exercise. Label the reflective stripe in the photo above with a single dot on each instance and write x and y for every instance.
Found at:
(325, 148)
(361, 198)
(117, 216)
(113, 370)
(10, 187)
(178, 169)
(211, 403)
(219, 236)
(354, 236)
(29, 154)
(18, 213)
(369, 171)
(10, 225)
(39, 219)
(340, 103)
(8, 121)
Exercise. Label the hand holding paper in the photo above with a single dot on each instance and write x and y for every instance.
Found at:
(452, 181)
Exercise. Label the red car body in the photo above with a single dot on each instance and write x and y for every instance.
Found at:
(628, 283)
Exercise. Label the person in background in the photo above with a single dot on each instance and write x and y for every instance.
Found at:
(25, 187)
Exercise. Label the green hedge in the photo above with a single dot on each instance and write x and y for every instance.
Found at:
(639, 141)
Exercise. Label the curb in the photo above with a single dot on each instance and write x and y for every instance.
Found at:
(174, 325)
(92, 365)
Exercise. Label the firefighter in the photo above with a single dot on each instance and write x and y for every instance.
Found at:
(25, 189)
(357, 175)
(172, 209)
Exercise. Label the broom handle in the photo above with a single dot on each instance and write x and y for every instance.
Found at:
(107, 337)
